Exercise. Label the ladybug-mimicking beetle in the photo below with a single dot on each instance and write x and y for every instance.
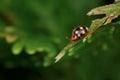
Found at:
(79, 32)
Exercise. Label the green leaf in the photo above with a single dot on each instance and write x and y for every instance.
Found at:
(17, 47)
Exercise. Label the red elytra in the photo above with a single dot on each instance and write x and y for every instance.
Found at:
(79, 33)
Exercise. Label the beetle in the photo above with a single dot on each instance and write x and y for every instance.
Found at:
(79, 33)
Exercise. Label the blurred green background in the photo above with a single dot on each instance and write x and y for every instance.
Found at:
(33, 32)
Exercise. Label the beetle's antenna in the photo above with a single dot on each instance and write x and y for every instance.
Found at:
(68, 38)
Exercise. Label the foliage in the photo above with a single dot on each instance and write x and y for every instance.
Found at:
(111, 12)
(33, 32)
